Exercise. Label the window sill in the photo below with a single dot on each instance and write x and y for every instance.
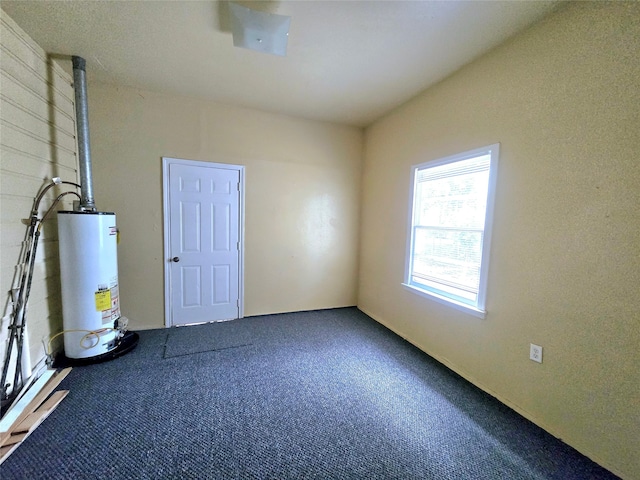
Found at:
(447, 301)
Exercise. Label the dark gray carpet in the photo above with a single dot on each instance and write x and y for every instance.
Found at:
(317, 395)
(206, 338)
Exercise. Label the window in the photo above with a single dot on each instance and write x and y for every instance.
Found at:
(450, 230)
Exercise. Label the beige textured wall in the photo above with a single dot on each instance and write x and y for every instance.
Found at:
(563, 99)
(302, 196)
(37, 142)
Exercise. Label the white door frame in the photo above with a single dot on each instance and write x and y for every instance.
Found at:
(166, 161)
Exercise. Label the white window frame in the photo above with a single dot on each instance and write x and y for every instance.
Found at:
(477, 309)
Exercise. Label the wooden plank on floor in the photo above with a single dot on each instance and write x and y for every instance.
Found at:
(26, 424)
(6, 451)
(49, 387)
(30, 411)
(17, 409)
(15, 438)
(39, 416)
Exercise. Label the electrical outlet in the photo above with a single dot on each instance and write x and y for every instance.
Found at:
(535, 353)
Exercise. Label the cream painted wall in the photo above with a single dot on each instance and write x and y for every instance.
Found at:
(563, 99)
(302, 196)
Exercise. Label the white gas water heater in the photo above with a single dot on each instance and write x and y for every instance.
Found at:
(94, 329)
(89, 274)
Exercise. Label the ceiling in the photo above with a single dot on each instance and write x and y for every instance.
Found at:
(348, 62)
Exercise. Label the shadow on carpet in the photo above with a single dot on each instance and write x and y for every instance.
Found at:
(208, 337)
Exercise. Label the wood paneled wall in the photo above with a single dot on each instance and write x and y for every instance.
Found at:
(37, 143)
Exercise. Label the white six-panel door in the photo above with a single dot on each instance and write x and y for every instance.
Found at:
(202, 241)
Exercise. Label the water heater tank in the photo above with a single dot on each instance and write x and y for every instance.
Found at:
(89, 282)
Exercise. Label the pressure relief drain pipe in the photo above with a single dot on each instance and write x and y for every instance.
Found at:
(87, 203)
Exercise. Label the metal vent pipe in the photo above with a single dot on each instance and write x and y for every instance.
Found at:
(87, 202)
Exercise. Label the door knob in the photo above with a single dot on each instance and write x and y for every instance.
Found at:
(175, 259)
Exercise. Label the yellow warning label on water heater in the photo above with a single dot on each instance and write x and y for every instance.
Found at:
(103, 300)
